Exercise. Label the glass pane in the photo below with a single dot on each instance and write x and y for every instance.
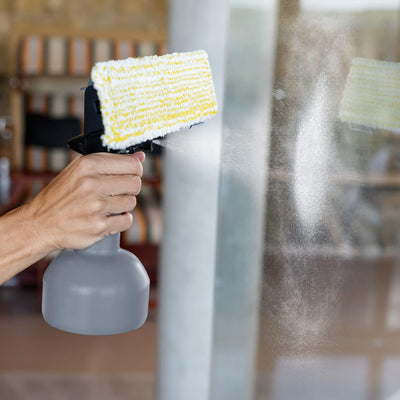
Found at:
(330, 309)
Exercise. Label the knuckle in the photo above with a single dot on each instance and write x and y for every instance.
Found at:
(96, 206)
(124, 223)
(99, 227)
(84, 163)
(132, 203)
(86, 184)
(127, 221)
(138, 167)
(137, 184)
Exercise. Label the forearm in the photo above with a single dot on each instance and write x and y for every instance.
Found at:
(21, 243)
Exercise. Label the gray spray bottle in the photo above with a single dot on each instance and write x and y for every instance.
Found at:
(101, 290)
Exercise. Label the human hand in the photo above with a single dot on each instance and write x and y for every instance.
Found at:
(90, 199)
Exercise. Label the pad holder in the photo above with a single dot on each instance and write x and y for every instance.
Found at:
(90, 140)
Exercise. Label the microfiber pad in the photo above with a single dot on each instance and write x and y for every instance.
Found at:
(145, 98)
(372, 95)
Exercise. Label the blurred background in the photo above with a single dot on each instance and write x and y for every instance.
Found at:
(270, 233)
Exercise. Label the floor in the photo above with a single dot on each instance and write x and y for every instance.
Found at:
(40, 362)
(63, 386)
(329, 330)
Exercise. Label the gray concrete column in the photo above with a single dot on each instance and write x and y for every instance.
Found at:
(191, 169)
(214, 203)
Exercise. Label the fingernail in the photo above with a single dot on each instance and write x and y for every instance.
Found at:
(140, 156)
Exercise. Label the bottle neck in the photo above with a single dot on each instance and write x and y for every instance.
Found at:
(106, 245)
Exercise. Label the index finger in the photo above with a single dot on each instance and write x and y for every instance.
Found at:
(116, 164)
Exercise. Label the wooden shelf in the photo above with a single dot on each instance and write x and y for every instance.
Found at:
(55, 84)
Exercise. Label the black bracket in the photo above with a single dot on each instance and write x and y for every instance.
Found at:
(90, 140)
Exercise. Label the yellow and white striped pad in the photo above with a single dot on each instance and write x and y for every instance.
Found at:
(372, 95)
(145, 98)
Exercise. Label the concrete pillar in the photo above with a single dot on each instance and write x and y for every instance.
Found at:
(191, 185)
(214, 202)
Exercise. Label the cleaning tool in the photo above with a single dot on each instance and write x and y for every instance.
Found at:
(141, 99)
(371, 95)
(103, 289)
